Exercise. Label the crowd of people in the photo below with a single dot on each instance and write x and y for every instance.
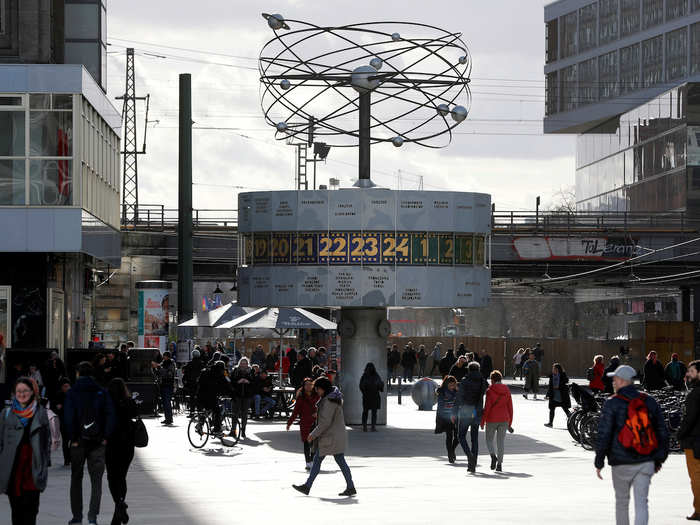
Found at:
(93, 417)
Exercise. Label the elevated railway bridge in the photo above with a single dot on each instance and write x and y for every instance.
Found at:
(554, 251)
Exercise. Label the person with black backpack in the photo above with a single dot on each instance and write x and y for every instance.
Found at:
(90, 423)
(166, 375)
(632, 435)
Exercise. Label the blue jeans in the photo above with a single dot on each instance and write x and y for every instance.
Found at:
(166, 397)
(468, 421)
(340, 460)
(268, 403)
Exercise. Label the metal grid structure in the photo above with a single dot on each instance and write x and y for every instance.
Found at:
(405, 86)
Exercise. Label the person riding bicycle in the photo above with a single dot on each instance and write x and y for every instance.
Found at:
(190, 376)
(211, 385)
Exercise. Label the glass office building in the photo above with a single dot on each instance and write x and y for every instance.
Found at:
(623, 75)
(645, 163)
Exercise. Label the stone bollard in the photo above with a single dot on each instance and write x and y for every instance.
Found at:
(423, 393)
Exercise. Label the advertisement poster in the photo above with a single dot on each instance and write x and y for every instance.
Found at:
(153, 318)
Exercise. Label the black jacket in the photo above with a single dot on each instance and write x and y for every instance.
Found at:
(191, 372)
(677, 382)
(166, 373)
(408, 358)
(85, 391)
(613, 418)
(563, 389)
(371, 386)
(263, 387)
(471, 391)
(125, 412)
(653, 375)
(302, 369)
(447, 362)
(690, 426)
(607, 381)
(394, 358)
(458, 371)
(486, 365)
(243, 389)
(270, 361)
(212, 384)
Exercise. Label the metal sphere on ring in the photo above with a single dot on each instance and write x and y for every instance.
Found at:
(414, 74)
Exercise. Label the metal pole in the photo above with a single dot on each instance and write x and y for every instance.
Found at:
(185, 306)
(364, 132)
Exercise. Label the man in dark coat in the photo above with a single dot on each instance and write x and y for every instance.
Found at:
(653, 373)
(486, 364)
(371, 386)
(469, 406)
(674, 373)
(393, 361)
(689, 435)
(302, 369)
(408, 362)
(52, 371)
(212, 384)
(447, 361)
(190, 377)
(459, 369)
(607, 380)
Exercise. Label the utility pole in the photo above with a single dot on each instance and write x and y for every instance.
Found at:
(185, 306)
(130, 179)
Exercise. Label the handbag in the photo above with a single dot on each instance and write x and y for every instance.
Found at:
(140, 433)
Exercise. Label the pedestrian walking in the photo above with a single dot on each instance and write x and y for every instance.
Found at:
(244, 387)
(632, 435)
(447, 362)
(408, 362)
(497, 418)
(689, 435)
(120, 449)
(394, 361)
(166, 375)
(518, 363)
(531, 369)
(674, 372)
(595, 375)
(190, 377)
(486, 364)
(653, 373)
(558, 392)
(371, 386)
(436, 359)
(330, 435)
(25, 449)
(607, 380)
(446, 417)
(539, 353)
(422, 358)
(470, 405)
(459, 369)
(305, 410)
(90, 422)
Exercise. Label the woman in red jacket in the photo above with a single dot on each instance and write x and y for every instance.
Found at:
(305, 408)
(596, 384)
(498, 417)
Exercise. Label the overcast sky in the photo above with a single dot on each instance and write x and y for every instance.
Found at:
(500, 148)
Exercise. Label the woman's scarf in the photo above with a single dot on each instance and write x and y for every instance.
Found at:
(25, 415)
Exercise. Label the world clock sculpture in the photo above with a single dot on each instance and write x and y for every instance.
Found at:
(366, 248)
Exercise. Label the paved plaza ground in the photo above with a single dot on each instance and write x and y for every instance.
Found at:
(401, 473)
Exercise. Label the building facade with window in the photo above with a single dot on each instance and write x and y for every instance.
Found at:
(59, 184)
(621, 75)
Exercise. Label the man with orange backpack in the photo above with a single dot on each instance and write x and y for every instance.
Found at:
(632, 435)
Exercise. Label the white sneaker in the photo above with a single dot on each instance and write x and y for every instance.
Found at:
(308, 465)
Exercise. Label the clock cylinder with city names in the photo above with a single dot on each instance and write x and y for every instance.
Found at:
(364, 248)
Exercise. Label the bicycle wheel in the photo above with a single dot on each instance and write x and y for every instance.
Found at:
(198, 431)
(572, 424)
(589, 431)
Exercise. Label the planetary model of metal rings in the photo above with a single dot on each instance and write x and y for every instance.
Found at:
(408, 81)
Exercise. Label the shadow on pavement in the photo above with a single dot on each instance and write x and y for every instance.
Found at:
(403, 442)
